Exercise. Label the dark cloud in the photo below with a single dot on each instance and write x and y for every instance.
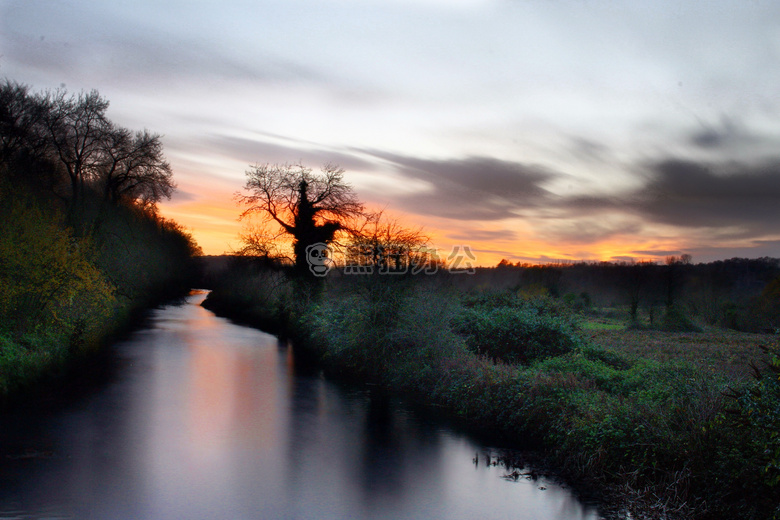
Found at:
(729, 133)
(756, 249)
(693, 194)
(730, 199)
(585, 205)
(474, 188)
(722, 200)
(775, 244)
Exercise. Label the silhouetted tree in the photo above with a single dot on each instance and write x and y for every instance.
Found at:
(66, 144)
(310, 207)
(20, 117)
(386, 246)
(504, 264)
(23, 150)
(134, 168)
(78, 133)
(635, 279)
(261, 242)
(674, 277)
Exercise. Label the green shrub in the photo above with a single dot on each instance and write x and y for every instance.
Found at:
(515, 335)
(760, 408)
(675, 320)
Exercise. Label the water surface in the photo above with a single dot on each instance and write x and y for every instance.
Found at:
(206, 419)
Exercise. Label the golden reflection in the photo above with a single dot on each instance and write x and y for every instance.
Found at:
(233, 397)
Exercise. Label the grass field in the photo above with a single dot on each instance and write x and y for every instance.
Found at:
(718, 352)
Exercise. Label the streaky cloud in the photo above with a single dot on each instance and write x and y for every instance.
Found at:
(659, 253)
(264, 150)
(484, 235)
(472, 188)
(180, 196)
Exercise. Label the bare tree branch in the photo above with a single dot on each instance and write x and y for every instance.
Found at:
(310, 207)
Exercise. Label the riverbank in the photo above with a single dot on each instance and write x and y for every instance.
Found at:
(63, 295)
(47, 363)
(655, 435)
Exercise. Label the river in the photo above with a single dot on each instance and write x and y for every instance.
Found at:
(206, 419)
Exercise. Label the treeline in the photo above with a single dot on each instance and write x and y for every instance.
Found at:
(82, 245)
(739, 293)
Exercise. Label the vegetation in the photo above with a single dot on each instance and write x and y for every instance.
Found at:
(631, 377)
(508, 328)
(601, 365)
(675, 295)
(666, 424)
(81, 244)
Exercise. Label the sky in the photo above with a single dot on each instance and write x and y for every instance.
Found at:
(526, 130)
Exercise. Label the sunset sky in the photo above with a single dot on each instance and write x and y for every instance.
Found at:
(531, 130)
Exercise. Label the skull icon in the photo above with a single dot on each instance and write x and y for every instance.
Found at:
(317, 255)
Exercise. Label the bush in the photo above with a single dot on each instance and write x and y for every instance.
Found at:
(507, 328)
(258, 296)
(48, 279)
(675, 320)
(760, 408)
(61, 293)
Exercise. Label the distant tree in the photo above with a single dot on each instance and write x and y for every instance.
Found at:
(258, 241)
(635, 281)
(311, 208)
(674, 277)
(386, 246)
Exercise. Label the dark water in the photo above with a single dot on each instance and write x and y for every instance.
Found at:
(208, 420)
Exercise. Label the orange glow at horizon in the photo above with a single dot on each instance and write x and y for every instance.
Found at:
(213, 221)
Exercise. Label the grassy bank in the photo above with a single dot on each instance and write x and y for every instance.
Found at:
(62, 295)
(654, 432)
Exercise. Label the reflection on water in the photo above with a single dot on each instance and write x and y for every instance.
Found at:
(208, 419)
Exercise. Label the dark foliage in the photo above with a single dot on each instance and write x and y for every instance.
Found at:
(81, 244)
